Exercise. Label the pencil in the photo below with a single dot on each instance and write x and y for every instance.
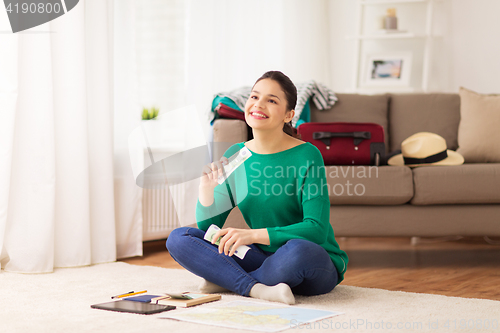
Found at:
(130, 294)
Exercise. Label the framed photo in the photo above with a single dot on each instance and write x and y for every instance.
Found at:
(387, 69)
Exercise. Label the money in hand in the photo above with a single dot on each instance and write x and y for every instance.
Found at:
(209, 236)
(233, 163)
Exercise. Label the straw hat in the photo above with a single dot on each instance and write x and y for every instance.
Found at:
(423, 149)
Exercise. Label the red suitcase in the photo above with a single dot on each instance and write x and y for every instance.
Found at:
(225, 111)
(346, 143)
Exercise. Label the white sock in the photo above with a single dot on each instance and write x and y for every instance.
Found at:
(208, 287)
(278, 293)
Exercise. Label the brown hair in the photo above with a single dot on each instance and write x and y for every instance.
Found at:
(291, 96)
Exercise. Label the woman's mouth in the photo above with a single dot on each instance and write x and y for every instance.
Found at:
(258, 115)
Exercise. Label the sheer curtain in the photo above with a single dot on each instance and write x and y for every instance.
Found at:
(56, 143)
(149, 72)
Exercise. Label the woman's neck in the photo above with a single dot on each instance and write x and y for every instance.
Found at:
(266, 142)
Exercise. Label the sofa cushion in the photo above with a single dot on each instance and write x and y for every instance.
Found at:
(369, 185)
(357, 109)
(460, 184)
(410, 220)
(478, 134)
(424, 112)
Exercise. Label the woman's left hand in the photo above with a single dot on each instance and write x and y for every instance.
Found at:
(233, 238)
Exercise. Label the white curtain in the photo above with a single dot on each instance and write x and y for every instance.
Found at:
(56, 142)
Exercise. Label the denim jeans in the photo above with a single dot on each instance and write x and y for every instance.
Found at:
(305, 266)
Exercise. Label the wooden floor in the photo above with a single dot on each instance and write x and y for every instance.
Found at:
(468, 267)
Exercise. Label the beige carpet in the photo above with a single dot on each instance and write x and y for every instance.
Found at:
(60, 302)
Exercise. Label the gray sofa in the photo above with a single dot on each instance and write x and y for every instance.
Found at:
(398, 200)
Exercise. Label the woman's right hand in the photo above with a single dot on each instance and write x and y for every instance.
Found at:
(212, 172)
(209, 180)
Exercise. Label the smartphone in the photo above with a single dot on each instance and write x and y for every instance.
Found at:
(133, 307)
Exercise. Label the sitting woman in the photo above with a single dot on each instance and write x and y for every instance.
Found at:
(282, 193)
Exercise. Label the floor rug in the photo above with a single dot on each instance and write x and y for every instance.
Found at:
(60, 302)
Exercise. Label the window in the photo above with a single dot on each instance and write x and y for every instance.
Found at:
(160, 44)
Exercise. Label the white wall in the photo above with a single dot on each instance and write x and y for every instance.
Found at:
(467, 55)
(342, 23)
(475, 45)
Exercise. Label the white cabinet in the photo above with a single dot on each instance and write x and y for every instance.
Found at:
(394, 61)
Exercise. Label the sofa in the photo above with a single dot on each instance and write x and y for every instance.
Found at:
(398, 200)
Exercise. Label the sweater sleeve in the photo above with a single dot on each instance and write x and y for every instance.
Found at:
(218, 211)
(315, 223)
(224, 202)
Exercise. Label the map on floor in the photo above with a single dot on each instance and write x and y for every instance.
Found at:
(257, 316)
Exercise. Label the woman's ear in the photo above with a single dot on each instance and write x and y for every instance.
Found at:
(289, 116)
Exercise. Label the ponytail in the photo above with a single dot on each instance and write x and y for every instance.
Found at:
(290, 130)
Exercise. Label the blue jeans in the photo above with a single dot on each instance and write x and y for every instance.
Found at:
(305, 266)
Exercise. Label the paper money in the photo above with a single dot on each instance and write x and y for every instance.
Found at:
(234, 162)
(179, 295)
(240, 252)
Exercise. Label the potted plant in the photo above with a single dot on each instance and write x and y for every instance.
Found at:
(149, 114)
(151, 128)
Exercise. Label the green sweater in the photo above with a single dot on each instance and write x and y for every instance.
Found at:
(285, 192)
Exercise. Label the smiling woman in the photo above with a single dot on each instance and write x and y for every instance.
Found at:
(281, 97)
(292, 244)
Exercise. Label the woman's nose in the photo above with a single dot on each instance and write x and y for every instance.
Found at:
(258, 103)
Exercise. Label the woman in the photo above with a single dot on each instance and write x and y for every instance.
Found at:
(282, 193)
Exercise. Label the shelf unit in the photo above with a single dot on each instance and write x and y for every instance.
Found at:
(388, 2)
(361, 36)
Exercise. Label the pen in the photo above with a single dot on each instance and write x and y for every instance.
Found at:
(130, 293)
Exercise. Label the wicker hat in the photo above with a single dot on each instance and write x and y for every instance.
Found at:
(423, 149)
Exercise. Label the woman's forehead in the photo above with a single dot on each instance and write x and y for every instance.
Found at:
(269, 87)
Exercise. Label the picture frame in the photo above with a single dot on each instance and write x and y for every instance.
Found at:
(387, 69)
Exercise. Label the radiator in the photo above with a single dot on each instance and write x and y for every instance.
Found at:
(158, 212)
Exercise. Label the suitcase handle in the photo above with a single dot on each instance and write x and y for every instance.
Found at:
(326, 137)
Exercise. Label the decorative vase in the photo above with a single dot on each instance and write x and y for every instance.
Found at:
(391, 21)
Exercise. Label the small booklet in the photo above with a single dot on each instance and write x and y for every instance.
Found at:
(185, 300)
(141, 298)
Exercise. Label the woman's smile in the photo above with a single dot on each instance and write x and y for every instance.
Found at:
(258, 115)
(266, 107)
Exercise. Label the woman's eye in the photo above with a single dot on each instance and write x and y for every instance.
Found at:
(253, 97)
(272, 101)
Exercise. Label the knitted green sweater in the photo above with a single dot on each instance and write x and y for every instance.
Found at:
(285, 192)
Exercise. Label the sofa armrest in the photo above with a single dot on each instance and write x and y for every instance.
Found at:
(226, 133)
(230, 130)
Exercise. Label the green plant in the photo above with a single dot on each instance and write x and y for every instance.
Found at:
(149, 114)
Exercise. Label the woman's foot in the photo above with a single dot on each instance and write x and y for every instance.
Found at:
(278, 293)
(208, 287)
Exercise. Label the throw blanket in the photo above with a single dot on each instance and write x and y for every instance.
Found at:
(322, 97)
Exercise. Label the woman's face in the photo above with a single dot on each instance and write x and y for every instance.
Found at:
(266, 108)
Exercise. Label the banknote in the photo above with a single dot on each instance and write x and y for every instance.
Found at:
(234, 162)
(240, 252)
